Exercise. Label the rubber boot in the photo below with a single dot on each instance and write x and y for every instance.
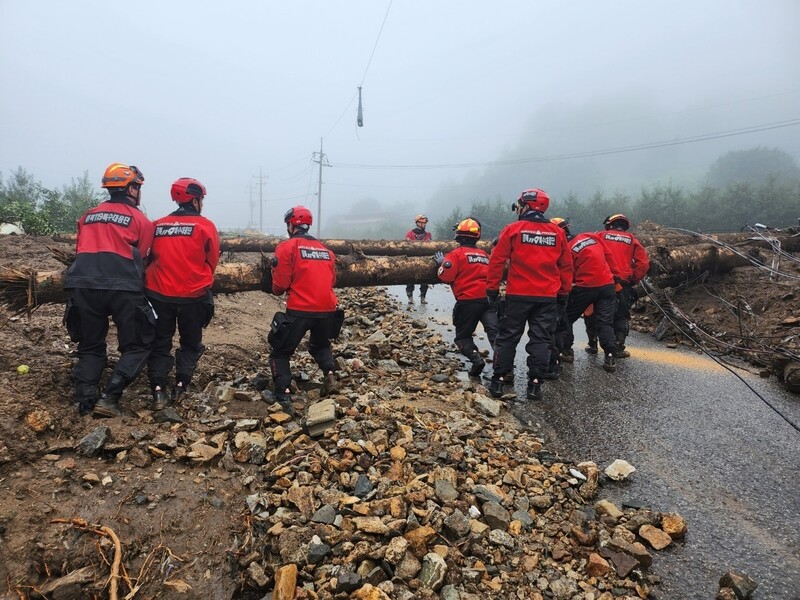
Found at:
(422, 299)
(553, 371)
(411, 298)
(496, 387)
(160, 399)
(610, 363)
(591, 347)
(329, 384)
(567, 356)
(107, 406)
(85, 399)
(534, 391)
(621, 352)
(478, 364)
(284, 398)
(177, 392)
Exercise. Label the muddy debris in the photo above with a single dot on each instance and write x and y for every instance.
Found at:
(406, 482)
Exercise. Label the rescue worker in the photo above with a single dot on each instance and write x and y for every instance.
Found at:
(594, 276)
(107, 279)
(633, 264)
(539, 277)
(178, 284)
(304, 269)
(465, 270)
(418, 234)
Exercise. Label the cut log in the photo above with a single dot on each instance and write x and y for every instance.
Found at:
(22, 290)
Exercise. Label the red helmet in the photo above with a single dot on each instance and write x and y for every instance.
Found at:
(120, 176)
(535, 199)
(469, 227)
(187, 189)
(298, 215)
(618, 221)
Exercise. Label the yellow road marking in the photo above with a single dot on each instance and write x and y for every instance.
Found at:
(699, 362)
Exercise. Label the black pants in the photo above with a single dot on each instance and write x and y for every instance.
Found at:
(86, 318)
(604, 300)
(466, 316)
(622, 315)
(189, 319)
(287, 338)
(540, 318)
(423, 289)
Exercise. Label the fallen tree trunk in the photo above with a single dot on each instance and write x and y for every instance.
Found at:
(339, 247)
(673, 266)
(22, 290)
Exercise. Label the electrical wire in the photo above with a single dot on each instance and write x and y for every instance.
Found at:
(701, 347)
(591, 153)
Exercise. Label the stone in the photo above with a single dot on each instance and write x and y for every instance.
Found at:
(433, 571)
(495, 516)
(606, 507)
(408, 567)
(445, 491)
(619, 470)
(317, 553)
(740, 583)
(418, 539)
(396, 550)
(726, 593)
(91, 444)
(623, 564)
(363, 486)
(498, 537)
(487, 406)
(596, 565)
(654, 536)
(325, 514)
(285, 583)
(456, 526)
(674, 525)
(321, 416)
(256, 573)
(347, 582)
(369, 592)
(371, 525)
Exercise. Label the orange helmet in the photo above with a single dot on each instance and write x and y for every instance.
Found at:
(421, 218)
(120, 176)
(469, 227)
(562, 223)
(618, 221)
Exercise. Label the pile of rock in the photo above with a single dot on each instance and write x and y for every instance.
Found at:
(412, 487)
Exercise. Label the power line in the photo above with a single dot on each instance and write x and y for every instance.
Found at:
(369, 62)
(591, 153)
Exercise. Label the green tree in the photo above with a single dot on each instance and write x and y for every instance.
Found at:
(755, 165)
(20, 200)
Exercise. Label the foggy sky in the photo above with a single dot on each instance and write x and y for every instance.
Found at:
(219, 91)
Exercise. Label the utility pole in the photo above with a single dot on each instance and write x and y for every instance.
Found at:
(261, 179)
(322, 160)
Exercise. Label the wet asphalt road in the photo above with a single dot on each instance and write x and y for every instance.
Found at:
(703, 444)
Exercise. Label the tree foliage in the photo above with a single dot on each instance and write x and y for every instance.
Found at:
(44, 211)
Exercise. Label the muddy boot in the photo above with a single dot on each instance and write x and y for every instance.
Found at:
(422, 299)
(329, 384)
(591, 347)
(567, 355)
(534, 391)
(411, 298)
(610, 363)
(284, 398)
(621, 352)
(85, 399)
(107, 406)
(496, 387)
(478, 364)
(177, 392)
(160, 399)
(552, 372)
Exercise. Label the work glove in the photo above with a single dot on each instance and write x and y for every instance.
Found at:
(438, 258)
(619, 280)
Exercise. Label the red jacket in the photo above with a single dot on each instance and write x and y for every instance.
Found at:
(306, 271)
(465, 269)
(593, 264)
(418, 235)
(629, 254)
(114, 239)
(184, 256)
(540, 263)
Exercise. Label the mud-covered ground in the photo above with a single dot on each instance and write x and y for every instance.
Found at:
(180, 518)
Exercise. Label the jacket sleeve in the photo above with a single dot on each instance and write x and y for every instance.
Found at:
(212, 247)
(565, 266)
(282, 273)
(410, 235)
(147, 233)
(449, 274)
(641, 261)
(497, 261)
